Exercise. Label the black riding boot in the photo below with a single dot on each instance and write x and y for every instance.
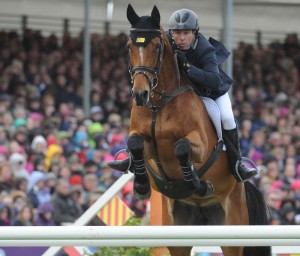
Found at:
(238, 169)
(124, 165)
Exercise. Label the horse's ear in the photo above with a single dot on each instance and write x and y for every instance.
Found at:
(131, 15)
(155, 16)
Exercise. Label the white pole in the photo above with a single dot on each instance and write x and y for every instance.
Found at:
(227, 7)
(152, 242)
(227, 14)
(275, 249)
(88, 215)
(109, 14)
(150, 232)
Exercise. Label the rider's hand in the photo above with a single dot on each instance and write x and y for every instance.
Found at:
(182, 60)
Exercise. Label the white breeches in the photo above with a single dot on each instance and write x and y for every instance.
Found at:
(227, 117)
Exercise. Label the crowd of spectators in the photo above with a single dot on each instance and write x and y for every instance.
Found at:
(53, 156)
(266, 100)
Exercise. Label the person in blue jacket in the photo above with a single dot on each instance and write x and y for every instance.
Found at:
(199, 58)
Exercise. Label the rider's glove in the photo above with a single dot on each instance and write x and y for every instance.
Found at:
(182, 60)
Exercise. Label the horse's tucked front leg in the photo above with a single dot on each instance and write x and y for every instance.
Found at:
(141, 180)
(183, 150)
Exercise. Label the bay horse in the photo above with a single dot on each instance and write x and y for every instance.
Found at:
(174, 146)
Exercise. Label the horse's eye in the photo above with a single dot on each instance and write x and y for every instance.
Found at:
(129, 43)
(128, 46)
(157, 46)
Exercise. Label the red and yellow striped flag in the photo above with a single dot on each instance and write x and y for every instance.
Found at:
(77, 250)
(115, 212)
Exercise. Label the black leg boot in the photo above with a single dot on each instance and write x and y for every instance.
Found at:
(238, 169)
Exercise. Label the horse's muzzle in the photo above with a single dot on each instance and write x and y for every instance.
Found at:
(140, 97)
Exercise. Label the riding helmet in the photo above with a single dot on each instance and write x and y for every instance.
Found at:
(184, 19)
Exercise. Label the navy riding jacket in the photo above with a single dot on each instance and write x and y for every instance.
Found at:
(204, 58)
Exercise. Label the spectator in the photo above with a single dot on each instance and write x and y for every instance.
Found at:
(54, 153)
(90, 183)
(24, 217)
(6, 177)
(18, 163)
(50, 182)
(289, 174)
(19, 200)
(96, 133)
(76, 181)
(21, 184)
(44, 216)
(96, 114)
(5, 215)
(65, 209)
(287, 213)
(39, 164)
(91, 166)
(272, 173)
(273, 200)
(39, 145)
(78, 197)
(64, 172)
(38, 192)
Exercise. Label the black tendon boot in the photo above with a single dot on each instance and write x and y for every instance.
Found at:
(238, 169)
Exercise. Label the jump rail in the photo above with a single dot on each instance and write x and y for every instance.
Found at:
(153, 236)
(89, 214)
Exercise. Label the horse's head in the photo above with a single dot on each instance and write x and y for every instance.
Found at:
(145, 46)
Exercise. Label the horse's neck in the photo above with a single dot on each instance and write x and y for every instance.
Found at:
(169, 79)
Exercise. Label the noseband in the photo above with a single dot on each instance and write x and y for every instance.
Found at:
(141, 37)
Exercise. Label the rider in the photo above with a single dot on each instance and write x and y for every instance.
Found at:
(200, 58)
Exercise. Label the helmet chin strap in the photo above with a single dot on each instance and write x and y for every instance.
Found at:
(194, 44)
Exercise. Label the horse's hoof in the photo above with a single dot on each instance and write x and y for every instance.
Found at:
(142, 191)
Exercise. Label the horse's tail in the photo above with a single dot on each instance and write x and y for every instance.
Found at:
(258, 215)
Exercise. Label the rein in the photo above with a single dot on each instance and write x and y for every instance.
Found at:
(154, 109)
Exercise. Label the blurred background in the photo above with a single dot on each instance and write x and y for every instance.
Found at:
(65, 101)
(272, 18)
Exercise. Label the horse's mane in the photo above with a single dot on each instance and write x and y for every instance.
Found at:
(170, 54)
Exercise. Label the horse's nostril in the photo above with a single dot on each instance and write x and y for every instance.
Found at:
(140, 97)
(145, 95)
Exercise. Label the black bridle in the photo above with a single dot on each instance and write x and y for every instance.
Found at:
(147, 35)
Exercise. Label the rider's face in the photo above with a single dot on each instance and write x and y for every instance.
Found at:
(183, 38)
